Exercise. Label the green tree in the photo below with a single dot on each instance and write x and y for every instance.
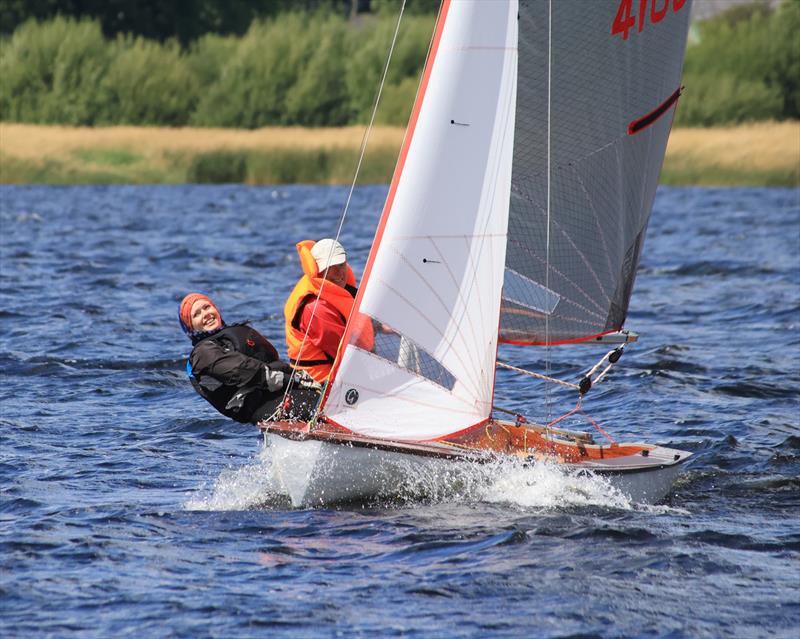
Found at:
(364, 68)
(208, 55)
(745, 66)
(252, 88)
(784, 52)
(319, 96)
(186, 20)
(148, 83)
(49, 71)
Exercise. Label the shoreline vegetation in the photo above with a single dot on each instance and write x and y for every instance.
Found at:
(755, 154)
(318, 69)
(284, 97)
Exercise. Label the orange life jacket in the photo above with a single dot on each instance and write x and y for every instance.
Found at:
(313, 359)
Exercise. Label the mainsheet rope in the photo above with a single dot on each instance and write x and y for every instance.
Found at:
(362, 151)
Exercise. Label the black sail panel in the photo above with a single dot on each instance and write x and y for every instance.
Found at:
(596, 92)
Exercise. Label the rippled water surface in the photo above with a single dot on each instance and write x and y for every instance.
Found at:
(130, 509)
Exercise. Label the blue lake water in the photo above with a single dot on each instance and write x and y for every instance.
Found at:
(128, 508)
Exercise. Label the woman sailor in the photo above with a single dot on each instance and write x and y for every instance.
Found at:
(237, 370)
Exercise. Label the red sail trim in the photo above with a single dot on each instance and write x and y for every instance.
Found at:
(645, 121)
(496, 353)
(459, 433)
(327, 421)
(398, 171)
(577, 340)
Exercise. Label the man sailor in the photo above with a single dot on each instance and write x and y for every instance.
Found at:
(319, 307)
(237, 370)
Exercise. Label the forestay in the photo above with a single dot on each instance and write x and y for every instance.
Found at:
(434, 275)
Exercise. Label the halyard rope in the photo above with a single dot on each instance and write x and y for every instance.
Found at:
(579, 409)
(579, 406)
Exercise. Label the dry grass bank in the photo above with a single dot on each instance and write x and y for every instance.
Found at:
(35, 142)
(57, 154)
(756, 154)
(766, 153)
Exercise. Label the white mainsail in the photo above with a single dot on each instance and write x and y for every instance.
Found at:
(529, 169)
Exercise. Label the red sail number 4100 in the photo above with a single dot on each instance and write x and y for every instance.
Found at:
(624, 20)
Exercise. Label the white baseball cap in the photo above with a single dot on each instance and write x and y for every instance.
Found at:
(327, 253)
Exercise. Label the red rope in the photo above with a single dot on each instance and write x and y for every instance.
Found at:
(578, 409)
(564, 416)
(597, 426)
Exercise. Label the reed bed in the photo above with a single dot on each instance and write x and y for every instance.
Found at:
(36, 142)
(760, 146)
(747, 155)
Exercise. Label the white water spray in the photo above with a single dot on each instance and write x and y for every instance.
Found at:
(523, 486)
(245, 488)
(545, 485)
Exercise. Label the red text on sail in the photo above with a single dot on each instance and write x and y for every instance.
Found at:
(625, 19)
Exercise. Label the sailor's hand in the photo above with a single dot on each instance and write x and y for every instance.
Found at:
(275, 380)
(304, 380)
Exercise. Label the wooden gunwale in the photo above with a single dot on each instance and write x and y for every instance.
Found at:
(481, 444)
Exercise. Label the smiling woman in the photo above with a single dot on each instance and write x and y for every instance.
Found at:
(205, 316)
(236, 369)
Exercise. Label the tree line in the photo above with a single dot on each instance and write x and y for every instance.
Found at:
(322, 68)
(743, 65)
(187, 20)
(304, 69)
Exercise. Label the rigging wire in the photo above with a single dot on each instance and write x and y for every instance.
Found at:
(362, 151)
(548, 407)
(609, 359)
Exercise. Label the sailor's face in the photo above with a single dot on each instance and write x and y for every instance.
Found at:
(205, 316)
(337, 274)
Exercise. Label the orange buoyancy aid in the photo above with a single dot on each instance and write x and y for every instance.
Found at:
(311, 358)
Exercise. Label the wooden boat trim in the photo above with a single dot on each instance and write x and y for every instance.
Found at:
(301, 431)
(495, 440)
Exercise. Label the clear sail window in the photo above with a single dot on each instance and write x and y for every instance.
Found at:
(524, 291)
(403, 352)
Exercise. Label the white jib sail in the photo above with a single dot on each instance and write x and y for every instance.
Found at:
(436, 269)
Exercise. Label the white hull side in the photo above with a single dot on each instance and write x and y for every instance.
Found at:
(644, 486)
(318, 473)
(644, 480)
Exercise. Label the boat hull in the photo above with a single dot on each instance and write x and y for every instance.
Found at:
(321, 471)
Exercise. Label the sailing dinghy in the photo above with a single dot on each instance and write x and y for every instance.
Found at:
(516, 214)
